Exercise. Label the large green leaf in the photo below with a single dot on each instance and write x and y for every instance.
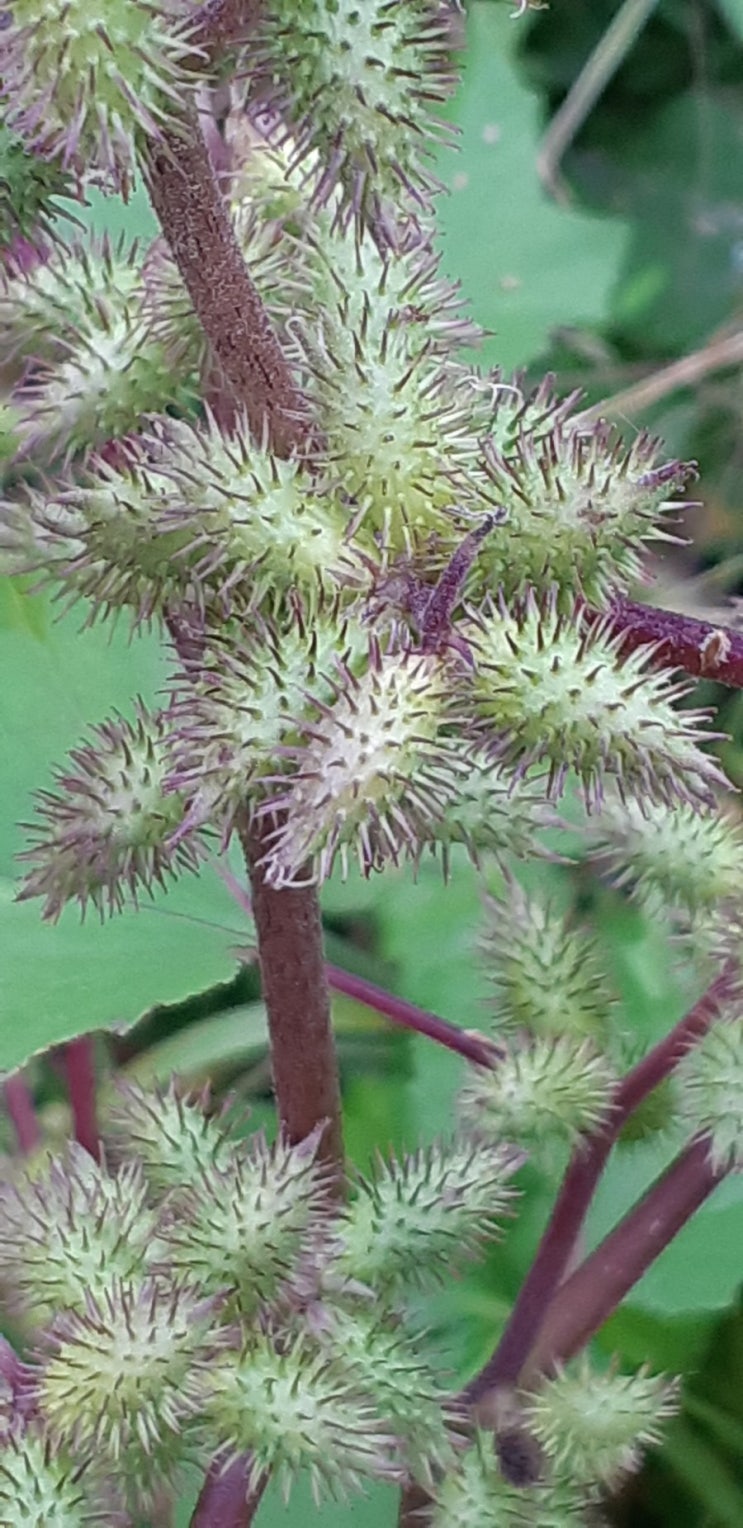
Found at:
(527, 265)
(57, 679)
(675, 176)
(60, 980)
(56, 982)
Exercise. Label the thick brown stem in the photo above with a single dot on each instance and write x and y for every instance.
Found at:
(587, 1299)
(295, 990)
(197, 226)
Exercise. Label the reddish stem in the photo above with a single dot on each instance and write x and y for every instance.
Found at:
(700, 648)
(476, 1048)
(465, 1042)
(197, 226)
(295, 989)
(227, 1499)
(78, 1061)
(586, 1300)
(219, 24)
(20, 1107)
(579, 1185)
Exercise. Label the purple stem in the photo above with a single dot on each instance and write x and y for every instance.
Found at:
(20, 1107)
(227, 1499)
(579, 1185)
(78, 1061)
(474, 1047)
(586, 1300)
(700, 648)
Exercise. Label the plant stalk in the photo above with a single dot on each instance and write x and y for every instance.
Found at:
(78, 1061)
(702, 649)
(547, 1271)
(227, 1499)
(197, 226)
(20, 1107)
(586, 1300)
(295, 990)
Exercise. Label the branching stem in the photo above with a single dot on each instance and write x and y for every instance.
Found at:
(539, 1290)
(20, 1107)
(587, 1299)
(701, 648)
(78, 1061)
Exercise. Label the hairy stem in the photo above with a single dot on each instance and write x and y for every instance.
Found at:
(587, 1299)
(227, 1499)
(78, 1062)
(197, 226)
(20, 1107)
(295, 990)
(578, 1187)
(700, 648)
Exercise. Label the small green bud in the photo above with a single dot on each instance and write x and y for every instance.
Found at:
(68, 1233)
(493, 812)
(593, 1425)
(101, 366)
(580, 508)
(122, 1379)
(243, 1226)
(476, 1495)
(390, 1369)
(546, 974)
(553, 1087)
(105, 832)
(546, 690)
(237, 713)
(359, 82)
(710, 1091)
(42, 1487)
(419, 1218)
(296, 1409)
(674, 856)
(91, 96)
(374, 774)
(176, 1143)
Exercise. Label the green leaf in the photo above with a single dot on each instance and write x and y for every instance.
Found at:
(675, 175)
(52, 690)
(526, 265)
(675, 1344)
(732, 10)
(61, 980)
(704, 1474)
(230, 1039)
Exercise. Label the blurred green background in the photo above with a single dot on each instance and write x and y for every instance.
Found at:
(631, 261)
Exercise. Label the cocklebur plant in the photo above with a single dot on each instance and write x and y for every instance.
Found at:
(396, 597)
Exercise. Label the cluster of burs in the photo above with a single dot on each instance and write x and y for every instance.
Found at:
(389, 642)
